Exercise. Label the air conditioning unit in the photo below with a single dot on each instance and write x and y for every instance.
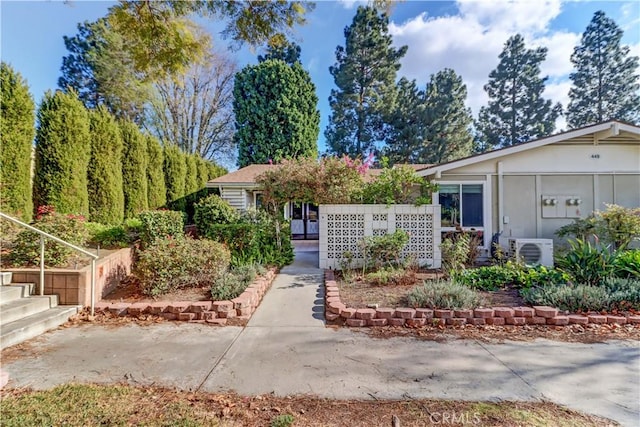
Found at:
(532, 251)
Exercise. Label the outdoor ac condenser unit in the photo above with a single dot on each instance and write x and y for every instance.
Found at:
(532, 251)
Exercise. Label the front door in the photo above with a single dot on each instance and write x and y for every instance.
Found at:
(304, 221)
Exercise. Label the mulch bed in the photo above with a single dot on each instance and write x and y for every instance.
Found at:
(129, 290)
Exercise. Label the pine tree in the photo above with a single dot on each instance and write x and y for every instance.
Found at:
(175, 173)
(447, 135)
(276, 113)
(63, 149)
(405, 135)
(156, 189)
(104, 174)
(365, 74)
(517, 112)
(605, 81)
(17, 129)
(134, 169)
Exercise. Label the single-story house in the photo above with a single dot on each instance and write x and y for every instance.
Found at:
(526, 191)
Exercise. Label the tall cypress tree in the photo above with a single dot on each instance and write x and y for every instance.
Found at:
(156, 189)
(605, 81)
(17, 129)
(365, 74)
(191, 184)
(104, 174)
(63, 149)
(447, 135)
(175, 173)
(517, 112)
(134, 169)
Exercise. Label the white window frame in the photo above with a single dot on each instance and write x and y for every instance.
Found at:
(486, 209)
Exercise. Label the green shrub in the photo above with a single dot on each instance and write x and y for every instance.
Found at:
(283, 420)
(489, 278)
(169, 264)
(233, 282)
(445, 295)
(624, 293)
(134, 169)
(618, 225)
(104, 174)
(384, 250)
(213, 210)
(62, 154)
(156, 188)
(160, 224)
(266, 242)
(586, 263)
(569, 297)
(175, 173)
(390, 276)
(108, 236)
(627, 264)
(458, 250)
(68, 227)
(542, 276)
(17, 124)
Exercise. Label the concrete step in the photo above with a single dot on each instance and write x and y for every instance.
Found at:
(23, 307)
(29, 327)
(5, 277)
(11, 293)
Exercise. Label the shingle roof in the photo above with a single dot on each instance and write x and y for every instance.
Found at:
(246, 175)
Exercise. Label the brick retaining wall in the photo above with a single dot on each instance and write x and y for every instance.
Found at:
(336, 311)
(213, 312)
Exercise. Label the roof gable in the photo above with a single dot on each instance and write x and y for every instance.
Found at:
(600, 132)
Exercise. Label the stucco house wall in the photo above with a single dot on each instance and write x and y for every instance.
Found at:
(581, 169)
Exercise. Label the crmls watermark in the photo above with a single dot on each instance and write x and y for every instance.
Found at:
(452, 417)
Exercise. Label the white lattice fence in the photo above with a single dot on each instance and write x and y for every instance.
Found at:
(343, 226)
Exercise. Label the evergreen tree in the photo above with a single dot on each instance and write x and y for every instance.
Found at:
(134, 169)
(104, 174)
(191, 184)
(605, 81)
(447, 135)
(156, 189)
(288, 52)
(17, 129)
(365, 74)
(405, 136)
(175, 173)
(276, 113)
(63, 149)
(203, 173)
(517, 112)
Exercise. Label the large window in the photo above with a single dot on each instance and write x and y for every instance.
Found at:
(462, 205)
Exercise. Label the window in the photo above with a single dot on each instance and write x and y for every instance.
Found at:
(462, 205)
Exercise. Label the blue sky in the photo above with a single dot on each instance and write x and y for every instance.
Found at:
(464, 35)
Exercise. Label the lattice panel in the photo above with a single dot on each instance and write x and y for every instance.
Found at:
(344, 231)
(420, 229)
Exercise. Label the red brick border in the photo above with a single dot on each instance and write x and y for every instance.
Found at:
(213, 312)
(337, 311)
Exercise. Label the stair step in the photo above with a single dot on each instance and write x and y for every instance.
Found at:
(29, 327)
(23, 307)
(11, 293)
(30, 288)
(5, 277)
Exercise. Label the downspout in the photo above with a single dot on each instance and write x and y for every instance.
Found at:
(500, 197)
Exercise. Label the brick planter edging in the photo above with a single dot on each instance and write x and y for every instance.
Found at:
(336, 311)
(214, 312)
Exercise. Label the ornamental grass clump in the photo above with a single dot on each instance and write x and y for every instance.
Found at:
(444, 295)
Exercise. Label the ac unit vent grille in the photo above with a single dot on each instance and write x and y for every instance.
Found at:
(531, 253)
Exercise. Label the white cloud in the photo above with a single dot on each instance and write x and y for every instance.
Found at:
(350, 4)
(470, 42)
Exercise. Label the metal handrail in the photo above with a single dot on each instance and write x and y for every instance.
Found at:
(46, 235)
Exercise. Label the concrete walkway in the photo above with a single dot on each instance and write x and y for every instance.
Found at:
(286, 349)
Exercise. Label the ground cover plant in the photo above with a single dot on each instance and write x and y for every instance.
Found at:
(96, 405)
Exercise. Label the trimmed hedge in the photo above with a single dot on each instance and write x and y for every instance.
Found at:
(160, 225)
(134, 169)
(171, 264)
(17, 125)
(156, 189)
(213, 210)
(175, 173)
(104, 174)
(62, 154)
